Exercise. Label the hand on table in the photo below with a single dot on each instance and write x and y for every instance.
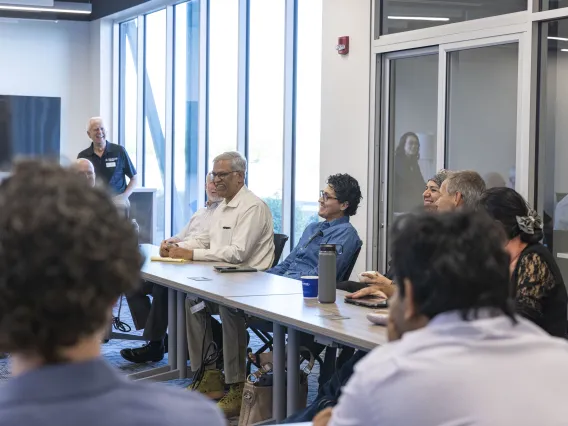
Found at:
(166, 245)
(323, 417)
(368, 291)
(378, 282)
(180, 253)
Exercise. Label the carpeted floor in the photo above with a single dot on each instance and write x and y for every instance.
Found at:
(111, 352)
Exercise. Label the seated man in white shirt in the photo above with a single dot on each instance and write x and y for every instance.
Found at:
(460, 355)
(153, 316)
(242, 234)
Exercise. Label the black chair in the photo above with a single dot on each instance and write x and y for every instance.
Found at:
(261, 328)
(280, 241)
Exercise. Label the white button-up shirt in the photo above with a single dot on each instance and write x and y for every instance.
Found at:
(199, 222)
(241, 233)
(485, 372)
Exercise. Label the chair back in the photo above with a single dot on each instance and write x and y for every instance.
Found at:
(279, 243)
(351, 266)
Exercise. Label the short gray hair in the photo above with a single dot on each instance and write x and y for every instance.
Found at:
(92, 119)
(238, 162)
(469, 184)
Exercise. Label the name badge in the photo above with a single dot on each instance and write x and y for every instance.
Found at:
(113, 164)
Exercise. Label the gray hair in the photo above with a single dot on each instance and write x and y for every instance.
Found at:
(469, 184)
(440, 177)
(238, 162)
(93, 119)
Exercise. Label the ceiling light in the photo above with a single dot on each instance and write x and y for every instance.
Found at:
(564, 50)
(418, 18)
(58, 7)
(558, 38)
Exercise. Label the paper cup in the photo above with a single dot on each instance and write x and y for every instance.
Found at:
(310, 287)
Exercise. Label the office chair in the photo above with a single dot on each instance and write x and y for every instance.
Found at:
(260, 328)
(280, 241)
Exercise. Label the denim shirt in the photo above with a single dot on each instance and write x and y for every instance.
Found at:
(303, 260)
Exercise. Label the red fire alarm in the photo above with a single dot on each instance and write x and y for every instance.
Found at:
(342, 45)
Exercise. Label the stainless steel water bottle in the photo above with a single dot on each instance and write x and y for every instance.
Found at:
(327, 281)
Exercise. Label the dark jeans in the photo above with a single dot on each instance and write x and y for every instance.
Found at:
(329, 393)
(150, 316)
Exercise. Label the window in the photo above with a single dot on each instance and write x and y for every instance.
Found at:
(552, 177)
(412, 129)
(266, 103)
(482, 111)
(186, 102)
(553, 4)
(128, 128)
(407, 15)
(177, 113)
(155, 112)
(222, 74)
(308, 115)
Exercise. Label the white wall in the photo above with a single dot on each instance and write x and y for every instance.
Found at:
(51, 59)
(345, 100)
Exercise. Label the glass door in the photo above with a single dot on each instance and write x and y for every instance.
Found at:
(408, 151)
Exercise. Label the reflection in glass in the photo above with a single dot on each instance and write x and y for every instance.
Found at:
(155, 111)
(266, 103)
(482, 111)
(552, 148)
(412, 139)
(128, 133)
(399, 16)
(552, 4)
(186, 101)
(222, 77)
(308, 115)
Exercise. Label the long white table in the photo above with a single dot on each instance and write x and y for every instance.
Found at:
(177, 277)
(270, 297)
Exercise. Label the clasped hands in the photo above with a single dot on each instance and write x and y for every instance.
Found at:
(169, 248)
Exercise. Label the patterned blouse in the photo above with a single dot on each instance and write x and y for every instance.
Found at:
(540, 295)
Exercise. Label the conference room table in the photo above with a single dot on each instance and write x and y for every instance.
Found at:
(266, 296)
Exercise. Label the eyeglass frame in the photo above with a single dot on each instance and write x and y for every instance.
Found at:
(326, 197)
(220, 175)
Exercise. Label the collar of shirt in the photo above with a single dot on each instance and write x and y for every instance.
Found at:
(455, 317)
(237, 198)
(91, 149)
(213, 205)
(60, 381)
(334, 222)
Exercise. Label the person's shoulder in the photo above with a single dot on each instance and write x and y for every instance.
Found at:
(85, 153)
(175, 405)
(114, 147)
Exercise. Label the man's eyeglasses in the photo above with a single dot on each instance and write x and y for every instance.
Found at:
(220, 175)
(325, 196)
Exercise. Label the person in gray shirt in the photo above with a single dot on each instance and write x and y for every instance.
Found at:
(65, 257)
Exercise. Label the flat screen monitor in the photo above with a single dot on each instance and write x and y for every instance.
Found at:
(30, 126)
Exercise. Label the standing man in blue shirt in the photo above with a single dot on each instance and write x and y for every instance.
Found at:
(337, 202)
(111, 161)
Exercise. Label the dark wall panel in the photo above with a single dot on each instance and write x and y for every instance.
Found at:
(29, 126)
(102, 8)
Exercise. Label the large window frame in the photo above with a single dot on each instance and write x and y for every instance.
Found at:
(289, 106)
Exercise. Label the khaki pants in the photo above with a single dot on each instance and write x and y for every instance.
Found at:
(234, 338)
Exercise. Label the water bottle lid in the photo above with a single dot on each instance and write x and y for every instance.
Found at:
(327, 247)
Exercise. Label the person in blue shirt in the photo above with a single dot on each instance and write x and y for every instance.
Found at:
(337, 203)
